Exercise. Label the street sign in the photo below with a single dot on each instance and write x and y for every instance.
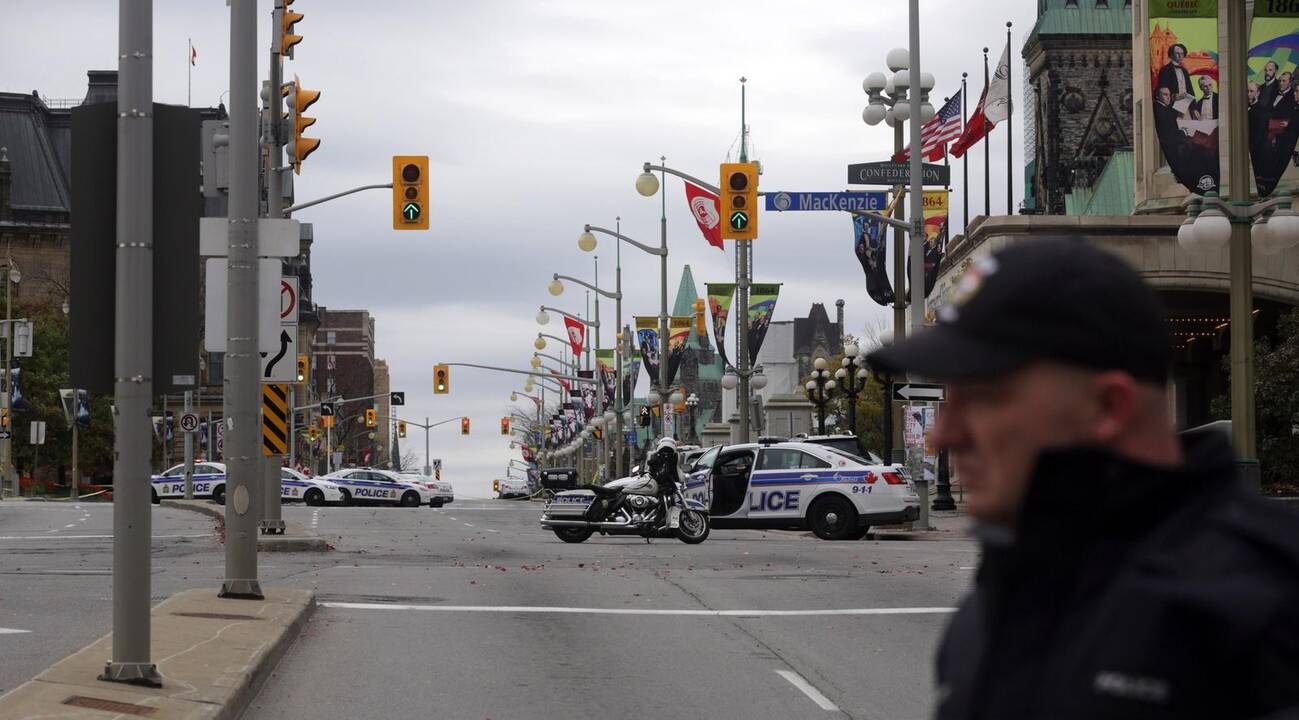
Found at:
(397, 398)
(38, 432)
(923, 392)
(268, 304)
(5, 435)
(23, 332)
(276, 237)
(327, 409)
(832, 201)
(275, 419)
(280, 363)
(189, 422)
(221, 438)
(897, 173)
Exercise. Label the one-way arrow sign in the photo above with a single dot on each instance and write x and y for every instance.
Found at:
(924, 392)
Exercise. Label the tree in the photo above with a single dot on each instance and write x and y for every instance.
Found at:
(1276, 392)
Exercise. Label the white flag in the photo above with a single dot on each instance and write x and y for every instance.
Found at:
(997, 106)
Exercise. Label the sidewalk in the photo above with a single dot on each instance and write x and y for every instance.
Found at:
(214, 655)
(295, 538)
(943, 525)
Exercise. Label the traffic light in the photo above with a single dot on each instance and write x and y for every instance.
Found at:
(287, 20)
(739, 201)
(505, 426)
(441, 380)
(297, 99)
(401, 428)
(304, 367)
(4, 418)
(371, 418)
(701, 327)
(464, 426)
(410, 192)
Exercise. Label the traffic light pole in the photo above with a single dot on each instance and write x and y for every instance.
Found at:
(133, 352)
(243, 379)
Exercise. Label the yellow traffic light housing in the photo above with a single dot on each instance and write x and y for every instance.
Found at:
(505, 426)
(701, 327)
(288, 19)
(496, 486)
(304, 368)
(4, 418)
(401, 428)
(327, 421)
(739, 201)
(410, 192)
(297, 100)
(441, 380)
(371, 418)
(464, 426)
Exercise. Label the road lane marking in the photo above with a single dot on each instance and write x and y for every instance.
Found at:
(541, 609)
(69, 525)
(315, 518)
(491, 530)
(12, 631)
(468, 525)
(811, 692)
(96, 537)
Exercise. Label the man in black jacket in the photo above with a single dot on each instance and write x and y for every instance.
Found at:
(1126, 572)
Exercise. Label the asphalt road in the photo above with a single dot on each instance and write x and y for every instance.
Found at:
(474, 611)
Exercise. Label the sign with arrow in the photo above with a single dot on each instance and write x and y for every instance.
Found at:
(919, 392)
(410, 212)
(739, 221)
(280, 364)
(397, 398)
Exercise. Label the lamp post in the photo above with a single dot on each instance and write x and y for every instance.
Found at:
(819, 390)
(692, 403)
(12, 277)
(556, 289)
(852, 380)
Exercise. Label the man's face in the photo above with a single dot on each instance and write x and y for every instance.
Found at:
(1283, 82)
(1253, 93)
(1269, 71)
(997, 428)
(1178, 55)
(1206, 85)
(1165, 96)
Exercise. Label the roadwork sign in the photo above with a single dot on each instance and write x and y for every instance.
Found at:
(275, 419)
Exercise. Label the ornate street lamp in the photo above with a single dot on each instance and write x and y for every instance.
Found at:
(819, 390)
(692, 403)
(852, 380)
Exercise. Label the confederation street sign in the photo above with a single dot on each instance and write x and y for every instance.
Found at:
(833, 201)
(919, 392)
(891, 173)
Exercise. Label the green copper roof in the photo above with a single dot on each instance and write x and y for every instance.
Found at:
(1113, 193)
(1083, 17)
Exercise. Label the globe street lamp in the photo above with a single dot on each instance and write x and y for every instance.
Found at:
(692, 403)
(819, 390)
(852, 380)
(557, 288)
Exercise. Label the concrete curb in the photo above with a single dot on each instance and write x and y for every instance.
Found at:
(295, 539)
(214, 656)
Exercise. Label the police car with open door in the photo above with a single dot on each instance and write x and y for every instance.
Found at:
(294, 486)
(797, 486)
(370, 486)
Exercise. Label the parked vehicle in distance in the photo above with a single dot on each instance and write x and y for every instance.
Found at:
(443, 491)
(511, 487)
(312, 491)
(370, 486)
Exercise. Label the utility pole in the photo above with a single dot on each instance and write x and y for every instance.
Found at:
(917, 229)
(743, 278)
(242, 364)
(132, 352)
(7, 398)
(189, 450)
(271, 518)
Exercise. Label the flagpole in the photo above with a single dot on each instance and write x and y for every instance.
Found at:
(1010, 124)
(987, 170)
(189, 74)
(965, 158)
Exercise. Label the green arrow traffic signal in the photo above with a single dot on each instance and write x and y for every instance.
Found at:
(739, 220)
(411, 212)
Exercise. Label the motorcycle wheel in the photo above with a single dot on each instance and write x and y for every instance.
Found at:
(692, 527)
(573, 534)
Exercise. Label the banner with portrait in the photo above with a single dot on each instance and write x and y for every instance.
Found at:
(606, 363)
(762, 303)
(870, 247)
(1273, 103)
(647, 340)
(678, 334)
(720, 296)
(588, 393)
(630, 367)
(1184, 83)
(936, 206)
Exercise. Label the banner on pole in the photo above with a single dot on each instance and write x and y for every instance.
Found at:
(720, 296)
(678, 334)
(605, 362)
(1272, 61)
(936, 204)
(1184, 82)
(576, 335)
(762, 303)
(870, 248)
(588, 392)
(647, 337)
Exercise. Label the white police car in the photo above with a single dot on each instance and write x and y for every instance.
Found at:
(312, 491)
(209, 482)
(367, 485)
(443, 492)
(797, 486)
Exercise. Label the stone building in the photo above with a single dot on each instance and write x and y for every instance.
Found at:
(815, 336)
(345, 367)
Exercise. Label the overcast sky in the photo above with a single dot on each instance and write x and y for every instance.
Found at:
(537, 116)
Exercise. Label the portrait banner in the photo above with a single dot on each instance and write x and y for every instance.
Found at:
(588, 392)
(870, 247)
(630, 367)
(606, 362)
(720, 296)
(762, 303)
(1273, 104)
(647, 339)
(678, 334)
(1184, 82)
(936, 205)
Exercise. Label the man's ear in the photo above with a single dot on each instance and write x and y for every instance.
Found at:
(1114, 399)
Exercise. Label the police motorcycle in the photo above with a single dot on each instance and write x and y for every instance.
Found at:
(650, 505)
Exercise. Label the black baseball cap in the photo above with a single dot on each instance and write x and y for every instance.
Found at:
(1053, 299)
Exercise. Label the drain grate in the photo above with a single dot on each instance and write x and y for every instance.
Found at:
(92, 703)
(215, 616)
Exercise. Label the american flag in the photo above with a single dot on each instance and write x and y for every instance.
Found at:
(935, 134)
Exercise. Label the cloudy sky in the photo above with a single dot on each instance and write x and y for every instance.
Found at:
(537, 117)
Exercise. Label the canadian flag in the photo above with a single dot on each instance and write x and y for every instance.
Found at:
(704, 206)
(576, 334)
(994, 106)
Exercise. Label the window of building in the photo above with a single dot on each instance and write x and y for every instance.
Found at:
(331, 337)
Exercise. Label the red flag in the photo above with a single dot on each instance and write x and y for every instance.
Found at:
(193, 55)
(576, 334)
(994, 106)
(568, 388)
(705, 208)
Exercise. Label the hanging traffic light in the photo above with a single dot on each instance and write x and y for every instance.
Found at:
(4, 418)
(401, 428)
(371, 418)
(409, 192)
(464, 426)
(505, 426)
(297, 99)
(288, 19)
(304, 366)
(739, 201)
(441, 380)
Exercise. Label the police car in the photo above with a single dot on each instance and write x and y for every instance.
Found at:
(799, 486)
(367, 485)
(510, 487)
(312, 491)
(443, 492)
(209, 482)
